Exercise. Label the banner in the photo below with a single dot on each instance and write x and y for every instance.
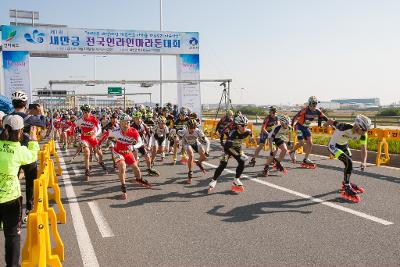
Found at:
(16, 72)
(188, 68)
(92, 41)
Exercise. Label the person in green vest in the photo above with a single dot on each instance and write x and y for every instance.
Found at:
(12, 156)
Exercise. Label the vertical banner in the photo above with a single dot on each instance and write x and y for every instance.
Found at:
(188, 68)
(16, 72)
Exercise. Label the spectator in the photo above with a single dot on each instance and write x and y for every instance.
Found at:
(12, 156)
(34, 117)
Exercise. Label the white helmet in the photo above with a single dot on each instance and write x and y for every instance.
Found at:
(124, 117)
(312, 100)
(19, 95)
(284, 119)
(363, 122)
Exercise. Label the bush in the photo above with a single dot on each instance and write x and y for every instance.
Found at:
(372, 145)
(248, 110)
(390, 112)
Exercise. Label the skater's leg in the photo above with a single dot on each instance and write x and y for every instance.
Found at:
(190, 154)
(222, 165)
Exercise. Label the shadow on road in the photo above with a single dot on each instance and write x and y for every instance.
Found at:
(254, 211)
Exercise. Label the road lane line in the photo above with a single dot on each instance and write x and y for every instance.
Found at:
(101, 221)
(317, 200)
(85, 244)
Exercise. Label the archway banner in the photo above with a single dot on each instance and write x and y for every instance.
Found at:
(100, 41)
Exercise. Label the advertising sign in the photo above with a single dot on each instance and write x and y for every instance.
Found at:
(188, 68)
(100, 41)
(16, 72)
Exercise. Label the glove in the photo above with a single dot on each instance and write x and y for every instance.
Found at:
(244, 157)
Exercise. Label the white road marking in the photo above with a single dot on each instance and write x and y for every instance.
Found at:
(85, 244)
(317, 200)
(101, 221)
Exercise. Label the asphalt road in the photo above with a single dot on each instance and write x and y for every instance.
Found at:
(297, 219)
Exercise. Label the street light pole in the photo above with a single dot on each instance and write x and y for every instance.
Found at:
(161, 58)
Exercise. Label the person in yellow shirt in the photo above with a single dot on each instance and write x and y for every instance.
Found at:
(12, 156)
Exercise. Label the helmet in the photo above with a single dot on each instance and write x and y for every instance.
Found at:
(284, 119)
(192, 123)
(141, 107)
(19, 95)
(182, 112)
(124, 117)
(164, 109)
(312, 100)
(363, 122)
(229, 112)
(85, 107)
(161, 119)
(241, 120)
(137, 114)
(149, 114)
(272, 108)
(114, 115)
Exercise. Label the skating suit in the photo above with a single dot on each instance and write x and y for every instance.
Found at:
(125, 143)
(90, 128)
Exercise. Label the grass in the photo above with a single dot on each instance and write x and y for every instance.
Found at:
(372, 145)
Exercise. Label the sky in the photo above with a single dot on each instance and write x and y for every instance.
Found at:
(275, 51)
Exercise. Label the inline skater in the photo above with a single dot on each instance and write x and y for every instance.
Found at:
(143, 131)
(302, 121)
(233, 148)
(279, 136)
(158, 139)
(338, 146)
(169, 121)
(90, 129)
(224, 126)
(192, 137)
(269, 122)
(127, 139)
(179, 124)
(111, 126)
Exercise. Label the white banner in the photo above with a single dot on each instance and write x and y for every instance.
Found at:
(188, 68)
(87, 41)
(16, 72)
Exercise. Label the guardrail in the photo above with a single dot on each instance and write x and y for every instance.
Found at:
(382, 157)
(42, 220)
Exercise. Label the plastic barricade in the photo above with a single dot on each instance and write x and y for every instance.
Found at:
(37, 249)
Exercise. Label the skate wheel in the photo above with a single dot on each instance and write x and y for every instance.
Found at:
(210, 190)
(238, 189)
(124, 196)
(360, 190)
(188, 181)
(354, 198)
(284, 171)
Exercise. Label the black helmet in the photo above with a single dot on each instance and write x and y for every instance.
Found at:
(85, 108)
(192, 123)
(273, 108)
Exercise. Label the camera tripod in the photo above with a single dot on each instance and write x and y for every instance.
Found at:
(227, 102)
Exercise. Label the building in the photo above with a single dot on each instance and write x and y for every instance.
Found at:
(329, 105)
(358, 101)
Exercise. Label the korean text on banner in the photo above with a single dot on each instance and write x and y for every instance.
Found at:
(100, 41)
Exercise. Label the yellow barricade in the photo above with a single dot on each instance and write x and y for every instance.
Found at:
(250, 142)
(37, 250)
